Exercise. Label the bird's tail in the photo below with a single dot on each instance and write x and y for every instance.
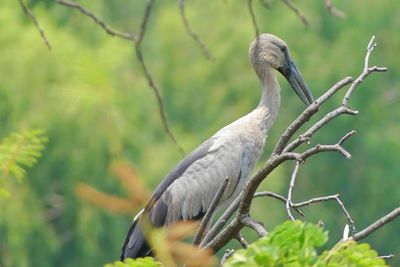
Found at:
(135, 244)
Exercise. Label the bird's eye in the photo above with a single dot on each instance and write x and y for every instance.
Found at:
(283, 49)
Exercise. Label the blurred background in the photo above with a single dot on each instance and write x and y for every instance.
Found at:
(90, 95)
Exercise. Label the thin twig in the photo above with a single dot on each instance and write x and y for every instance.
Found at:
(253, 17)
(96, 19)
(327, 198)
(152, 84)
(378, 224)
(192, 33)
(333, 10)
(276, 196)
(386, 257)
(297, 11)
(366, 71)
(210, 211)
(37, 25)
(291, 186)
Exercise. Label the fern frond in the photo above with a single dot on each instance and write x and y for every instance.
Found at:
(20, 150)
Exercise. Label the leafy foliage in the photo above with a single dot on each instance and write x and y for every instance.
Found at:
(294, 244)
(18, 151)
(140, 262)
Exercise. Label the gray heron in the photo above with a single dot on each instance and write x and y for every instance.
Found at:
(188, 189)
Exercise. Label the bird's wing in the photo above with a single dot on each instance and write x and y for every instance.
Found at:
(188, 190)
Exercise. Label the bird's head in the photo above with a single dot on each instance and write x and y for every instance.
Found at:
(268, 51)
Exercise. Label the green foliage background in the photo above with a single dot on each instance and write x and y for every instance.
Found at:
(90, 96)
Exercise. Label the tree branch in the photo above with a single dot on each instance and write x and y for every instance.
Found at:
(366, 71)
(253, 17)
(333, 10)
(296, 11)
(96, 19)
(152, 84)
(378, 224)
(291, 186)
(192, 33)
(35, 21)
(258, 227)
(327, 198)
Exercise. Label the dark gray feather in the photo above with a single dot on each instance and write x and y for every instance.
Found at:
(195, 155)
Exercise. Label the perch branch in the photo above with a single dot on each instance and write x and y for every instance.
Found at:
(28, 12)
(96, 19)
(210, 211)
(192, 33)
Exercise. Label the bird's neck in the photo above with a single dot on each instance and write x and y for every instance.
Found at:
(270, 94)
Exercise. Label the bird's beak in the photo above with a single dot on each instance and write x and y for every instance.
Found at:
(296, 80)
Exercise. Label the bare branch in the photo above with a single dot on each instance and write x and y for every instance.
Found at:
(307, 114)
(305, 137)
(96, 20)
(276, 196)
(35, 21)
(333, 10)
(291, 186)
(366, 71)
(192, 33)
(258, 227)
(327, 198)
(253, 17)
(378, 224)
(386, 257)
(297, 11)
(210, 211)
(152, 84)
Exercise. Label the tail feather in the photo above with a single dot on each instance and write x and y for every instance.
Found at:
(135, 245)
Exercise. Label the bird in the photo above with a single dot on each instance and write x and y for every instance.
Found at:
(188, 189)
